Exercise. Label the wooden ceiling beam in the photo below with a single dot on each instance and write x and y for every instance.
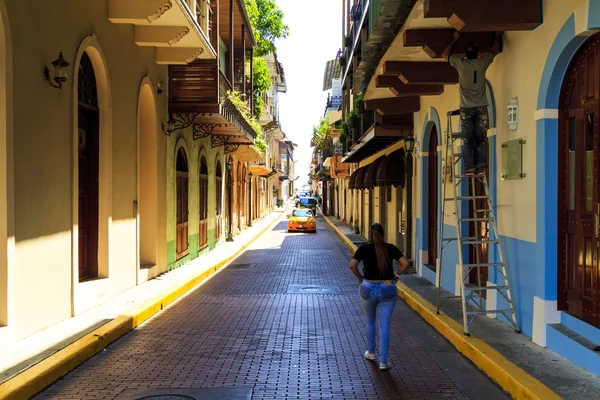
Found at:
(490, 15)
(399, 89)
(394, 105)
(434, 41)
(422, 72)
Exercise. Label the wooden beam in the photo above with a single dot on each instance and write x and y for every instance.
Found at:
(486, 15)
(243, 59)
(399, 89)
(394, 105)
(422, 73)
(434, 41)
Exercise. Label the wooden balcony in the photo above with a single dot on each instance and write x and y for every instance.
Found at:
(198, 97)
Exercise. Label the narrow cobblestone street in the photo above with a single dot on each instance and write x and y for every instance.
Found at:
(242, 328)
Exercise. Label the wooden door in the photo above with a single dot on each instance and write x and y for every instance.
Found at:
(219, 201)
(578, 205)
(432, 205)
(88, 169)
(203, 224)
(182, 244)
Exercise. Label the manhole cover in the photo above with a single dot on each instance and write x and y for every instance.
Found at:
(166, 397)
(238, 393)
(313, 289)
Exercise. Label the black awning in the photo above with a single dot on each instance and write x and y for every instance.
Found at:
(352, 181)
(359, 183)
(392, 171)
(371, 175)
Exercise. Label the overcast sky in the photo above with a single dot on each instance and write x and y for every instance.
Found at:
(315, 37)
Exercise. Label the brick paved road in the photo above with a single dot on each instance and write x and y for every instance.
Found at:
(242, 329)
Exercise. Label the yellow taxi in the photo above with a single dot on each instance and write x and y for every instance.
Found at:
(302, 219)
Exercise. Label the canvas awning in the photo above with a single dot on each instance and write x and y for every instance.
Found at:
(392, 171)
(371, 174)
(357, 179)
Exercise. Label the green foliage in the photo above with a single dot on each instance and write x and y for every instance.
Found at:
(352, 120)
(262, 83)
(237, 100)
(267, 20)
(258, 105)
(320, 134)
(262, 75)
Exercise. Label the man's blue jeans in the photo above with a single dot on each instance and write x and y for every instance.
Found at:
(378, 298)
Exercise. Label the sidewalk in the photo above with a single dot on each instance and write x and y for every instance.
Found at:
(522, 368)
(31, 364)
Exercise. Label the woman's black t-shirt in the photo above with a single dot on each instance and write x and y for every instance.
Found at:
(366, 253)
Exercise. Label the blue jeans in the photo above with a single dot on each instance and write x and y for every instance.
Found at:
(378, 297)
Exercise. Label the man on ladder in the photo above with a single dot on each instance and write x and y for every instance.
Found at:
(474, 120)
(471, 69)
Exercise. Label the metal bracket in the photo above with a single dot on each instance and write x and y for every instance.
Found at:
(231, 147)
(201, 131)
(178, 121)
(219, 140)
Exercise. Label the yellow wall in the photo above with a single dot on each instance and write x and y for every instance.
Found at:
(516, 72)
(42, 289)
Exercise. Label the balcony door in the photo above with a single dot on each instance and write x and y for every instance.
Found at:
(578, 194)
(182, 244)
(203, 220)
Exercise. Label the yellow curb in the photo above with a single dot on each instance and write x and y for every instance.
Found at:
(41, 375)
(515, 381)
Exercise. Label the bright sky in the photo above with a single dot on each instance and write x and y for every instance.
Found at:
(315, 37)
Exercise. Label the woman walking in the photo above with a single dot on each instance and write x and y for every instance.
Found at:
(377, 288)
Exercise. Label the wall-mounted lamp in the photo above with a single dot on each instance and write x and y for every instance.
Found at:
(512, 114)
(409, 144)
(229, 163)
(60, 72)
(159, 89)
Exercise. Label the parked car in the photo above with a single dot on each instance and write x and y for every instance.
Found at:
(302, 219)
(308, 202)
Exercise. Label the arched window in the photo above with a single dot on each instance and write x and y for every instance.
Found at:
(203, 226)
(219, 199)
(182, 204)
(89, 168)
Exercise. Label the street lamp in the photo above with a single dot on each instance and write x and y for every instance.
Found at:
(409, 146)
(229, 237)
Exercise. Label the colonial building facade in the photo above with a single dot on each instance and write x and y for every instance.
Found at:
(126, 156)
(543, 94)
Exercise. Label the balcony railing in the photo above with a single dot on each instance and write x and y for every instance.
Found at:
(224, 86)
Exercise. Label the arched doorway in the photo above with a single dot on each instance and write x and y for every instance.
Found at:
(147, 177)
(578, 197)
(432, 198)
(203, 206)
(182, 245)
(88, 168)
(239, 201)
(219, 200)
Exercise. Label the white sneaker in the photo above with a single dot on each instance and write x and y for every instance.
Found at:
(369, 356)
(383, 365)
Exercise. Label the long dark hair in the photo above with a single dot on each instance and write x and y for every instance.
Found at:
(376, 237)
